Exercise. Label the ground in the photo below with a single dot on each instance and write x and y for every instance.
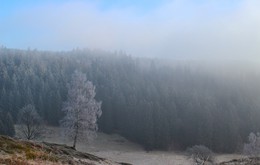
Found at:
(117, 148)
(22, 152)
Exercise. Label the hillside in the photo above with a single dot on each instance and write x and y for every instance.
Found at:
(20, 152)
(244, 161)
(13, 152)
(159, 104)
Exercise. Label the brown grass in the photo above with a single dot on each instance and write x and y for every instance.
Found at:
(25, 150)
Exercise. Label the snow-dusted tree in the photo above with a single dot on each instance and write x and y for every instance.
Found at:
(81, 109)
(200, 154)
(30, 123)
(253, 147)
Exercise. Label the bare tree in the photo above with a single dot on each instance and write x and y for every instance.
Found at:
(30, 123)
(81, 109)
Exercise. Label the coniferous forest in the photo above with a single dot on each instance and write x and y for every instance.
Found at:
(158, 104)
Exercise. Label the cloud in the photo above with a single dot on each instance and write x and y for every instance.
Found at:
(180, 28)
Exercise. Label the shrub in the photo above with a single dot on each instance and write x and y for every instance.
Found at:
(200, 154)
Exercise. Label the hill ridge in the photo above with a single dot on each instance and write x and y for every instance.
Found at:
(15, 151)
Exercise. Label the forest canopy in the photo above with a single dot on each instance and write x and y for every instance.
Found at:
(161, 105)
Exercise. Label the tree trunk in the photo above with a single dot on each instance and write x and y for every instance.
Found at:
(75, 141)
(75, 138)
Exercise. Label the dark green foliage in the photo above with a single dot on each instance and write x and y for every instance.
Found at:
(159, 105)
(6, 124)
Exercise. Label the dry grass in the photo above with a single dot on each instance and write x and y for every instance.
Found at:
(18, 153)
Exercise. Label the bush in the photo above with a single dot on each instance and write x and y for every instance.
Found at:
(200, 154)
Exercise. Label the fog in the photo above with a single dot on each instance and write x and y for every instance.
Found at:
(156, 81)
(179, 29)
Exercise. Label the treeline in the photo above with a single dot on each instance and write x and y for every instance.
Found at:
(159, 105)
(6, 124)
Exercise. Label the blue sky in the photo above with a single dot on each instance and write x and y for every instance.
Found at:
(7, 6)
(139, 27)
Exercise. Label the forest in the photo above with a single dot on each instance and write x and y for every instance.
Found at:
(158, 103)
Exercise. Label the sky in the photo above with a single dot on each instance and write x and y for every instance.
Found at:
(158, 28)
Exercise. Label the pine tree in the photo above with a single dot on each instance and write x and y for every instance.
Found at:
(6, 124)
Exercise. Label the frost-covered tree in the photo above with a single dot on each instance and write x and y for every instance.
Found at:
(253, 147)
(30, 123)
(200, 154)
(81, 109)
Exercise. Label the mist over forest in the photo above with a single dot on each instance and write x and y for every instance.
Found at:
(162, 104)
(145, 82)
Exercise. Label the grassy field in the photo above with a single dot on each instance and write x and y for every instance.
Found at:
(117, 148)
